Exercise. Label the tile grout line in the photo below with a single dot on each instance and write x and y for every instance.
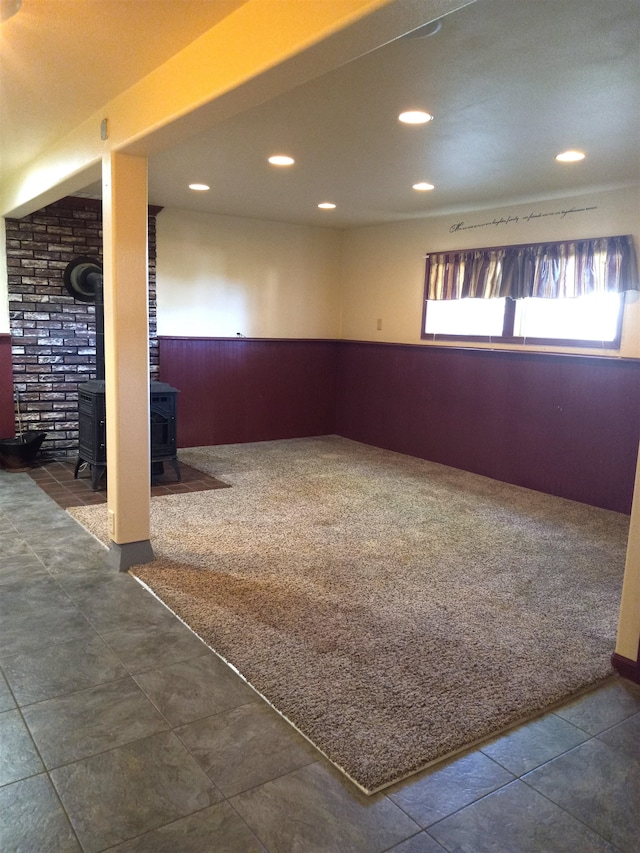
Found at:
(45, 769)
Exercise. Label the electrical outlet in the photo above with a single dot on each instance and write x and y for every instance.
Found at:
(111, 516)
(379, 324)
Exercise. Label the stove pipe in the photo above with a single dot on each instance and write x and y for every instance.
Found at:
(83, 280)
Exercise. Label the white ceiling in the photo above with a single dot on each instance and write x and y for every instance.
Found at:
(510, 83)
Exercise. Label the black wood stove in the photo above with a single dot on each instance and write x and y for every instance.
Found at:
(92, 438)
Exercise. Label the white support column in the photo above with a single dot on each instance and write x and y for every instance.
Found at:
(627, 655)
(126, 329)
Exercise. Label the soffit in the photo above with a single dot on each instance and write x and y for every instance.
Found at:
(61, 60)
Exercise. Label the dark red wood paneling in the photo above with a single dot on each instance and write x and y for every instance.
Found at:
(7, 415)
(564, 425)
(242, 389)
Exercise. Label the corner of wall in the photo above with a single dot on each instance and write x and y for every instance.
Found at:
(341, 282)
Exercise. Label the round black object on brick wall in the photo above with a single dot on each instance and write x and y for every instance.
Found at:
(83, 278)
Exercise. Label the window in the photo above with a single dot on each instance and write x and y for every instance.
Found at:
(593, 320)
(467, 317)
(595, 317)
(569, 293)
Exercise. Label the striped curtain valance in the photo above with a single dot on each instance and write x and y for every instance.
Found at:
(544, 270)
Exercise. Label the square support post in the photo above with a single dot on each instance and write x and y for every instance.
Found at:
(626, 658)
(126, 329)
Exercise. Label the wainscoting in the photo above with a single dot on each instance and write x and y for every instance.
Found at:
(565, 425)
(242, 389)
(7, 417)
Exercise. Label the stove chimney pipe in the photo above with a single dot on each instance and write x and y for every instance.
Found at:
(83, 280)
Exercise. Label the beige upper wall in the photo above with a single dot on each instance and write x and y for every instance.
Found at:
(383, 266)
(221, 275)
(218, 275)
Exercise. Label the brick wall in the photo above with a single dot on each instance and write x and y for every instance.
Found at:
(53, 335)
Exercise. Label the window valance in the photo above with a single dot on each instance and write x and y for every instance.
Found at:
(556, 270)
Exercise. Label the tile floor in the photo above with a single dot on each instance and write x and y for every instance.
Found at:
(56, 478)
(120, 730)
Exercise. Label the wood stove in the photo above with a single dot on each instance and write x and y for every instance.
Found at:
(92, 438)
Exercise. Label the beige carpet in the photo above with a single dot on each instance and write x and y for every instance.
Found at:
(394, 610)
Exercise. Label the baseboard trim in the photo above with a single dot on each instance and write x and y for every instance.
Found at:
(128, 554)
(629, 669)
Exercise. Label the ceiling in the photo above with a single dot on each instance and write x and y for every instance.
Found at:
(56, 61)
(510, 84)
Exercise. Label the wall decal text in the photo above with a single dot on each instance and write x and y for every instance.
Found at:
(515, 220)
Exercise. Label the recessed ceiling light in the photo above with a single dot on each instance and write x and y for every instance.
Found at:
(570, 156)
(281, 160)
(415, 117)
(423, 186)
(326, 205)
(200, 188)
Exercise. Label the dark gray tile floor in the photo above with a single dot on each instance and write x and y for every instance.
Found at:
(120, 730)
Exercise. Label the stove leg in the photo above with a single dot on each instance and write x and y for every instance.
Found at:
(79, 462)
(174, 464)
(96, 475)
